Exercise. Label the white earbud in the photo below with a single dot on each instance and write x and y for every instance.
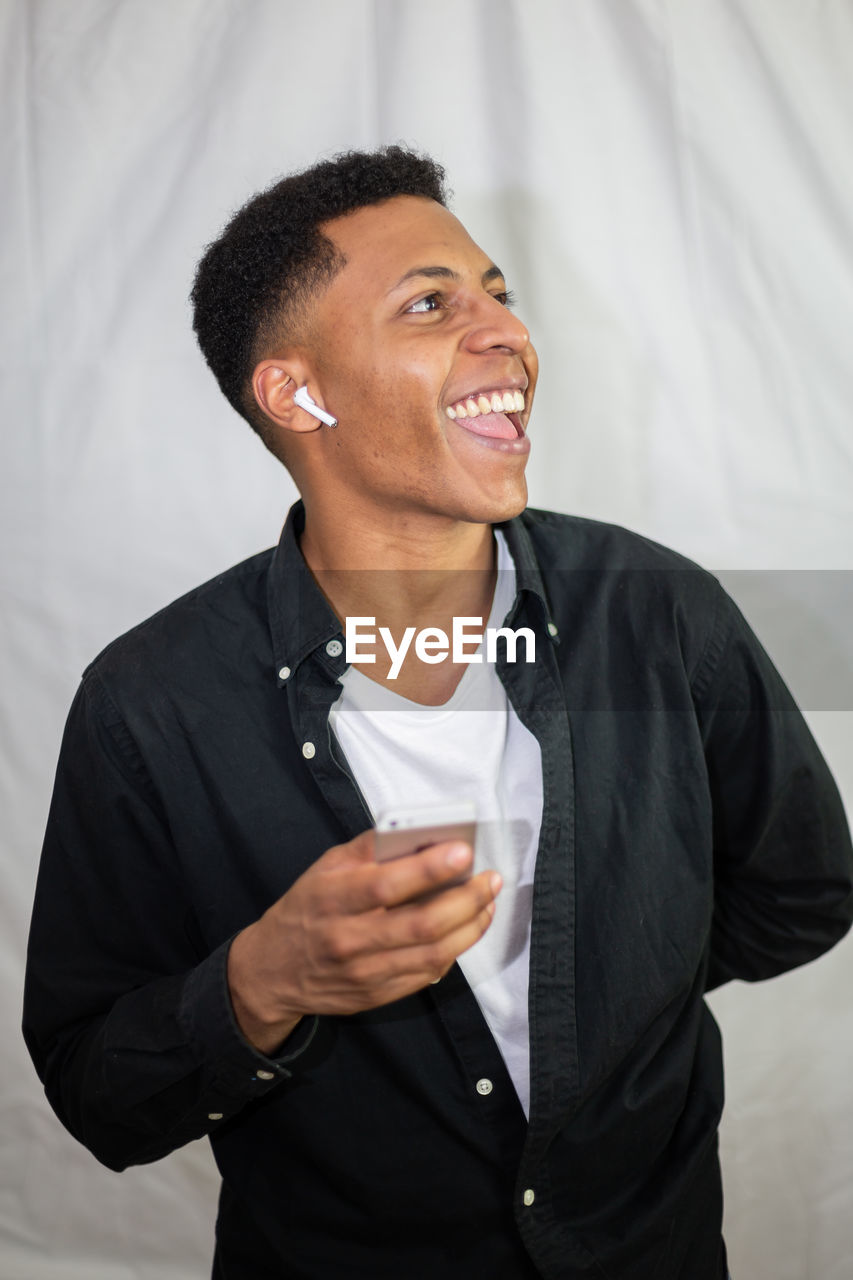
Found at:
(302, 398)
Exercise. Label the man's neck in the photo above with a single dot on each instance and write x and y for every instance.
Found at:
(418, 572)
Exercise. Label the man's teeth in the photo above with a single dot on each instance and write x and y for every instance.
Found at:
(497, 402)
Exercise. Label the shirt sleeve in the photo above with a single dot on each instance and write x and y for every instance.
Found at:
(783, 863)
(128, 1021)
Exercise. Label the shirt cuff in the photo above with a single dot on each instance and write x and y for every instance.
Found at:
(236, 1068)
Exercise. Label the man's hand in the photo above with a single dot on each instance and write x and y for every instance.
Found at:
(350, 934)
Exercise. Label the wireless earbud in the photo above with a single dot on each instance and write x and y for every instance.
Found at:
(302, 398)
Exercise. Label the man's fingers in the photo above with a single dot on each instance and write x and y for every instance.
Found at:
(354, 934)
(423, 924)
(431, 919)
(359, 850)
(389, 884)
(404, 969)
(349, 880)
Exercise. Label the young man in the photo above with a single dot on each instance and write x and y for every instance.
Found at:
(403, 1075)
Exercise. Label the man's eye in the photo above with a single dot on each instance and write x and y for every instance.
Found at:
(432, 302)
(506, 299)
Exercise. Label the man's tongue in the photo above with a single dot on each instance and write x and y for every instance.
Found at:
(489, 424)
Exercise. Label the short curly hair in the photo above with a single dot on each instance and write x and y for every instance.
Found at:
(256, 279)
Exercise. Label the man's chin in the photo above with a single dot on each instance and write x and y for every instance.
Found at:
(497, 510)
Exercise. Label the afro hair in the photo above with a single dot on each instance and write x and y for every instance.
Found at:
(271, 257)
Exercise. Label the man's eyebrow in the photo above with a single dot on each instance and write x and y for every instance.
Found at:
(447, 273)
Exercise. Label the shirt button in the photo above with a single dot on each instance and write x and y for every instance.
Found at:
(308, 750)
(214, 1115)
(552, 628)
(484, 1087)
(528, 1197)
(266, 1075)
(334, 648)
(284, 673)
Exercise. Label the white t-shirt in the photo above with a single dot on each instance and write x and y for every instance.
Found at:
(473, 747)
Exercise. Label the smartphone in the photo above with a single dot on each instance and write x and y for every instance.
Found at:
(404, 829)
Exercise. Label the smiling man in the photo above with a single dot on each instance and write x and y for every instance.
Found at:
(462, 1063)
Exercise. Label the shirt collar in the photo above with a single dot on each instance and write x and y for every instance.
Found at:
(301, 618)
(527, 574)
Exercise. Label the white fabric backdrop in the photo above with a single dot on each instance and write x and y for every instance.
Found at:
(668, 185)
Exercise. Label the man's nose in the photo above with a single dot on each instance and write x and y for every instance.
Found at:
(493, 325)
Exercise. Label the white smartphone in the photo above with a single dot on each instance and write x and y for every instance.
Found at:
(404, 829)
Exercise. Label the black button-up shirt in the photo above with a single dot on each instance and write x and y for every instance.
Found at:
(691, 833)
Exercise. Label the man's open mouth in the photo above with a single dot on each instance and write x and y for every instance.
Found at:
(490, 413)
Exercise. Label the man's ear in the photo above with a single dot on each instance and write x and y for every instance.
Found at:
(274, 383)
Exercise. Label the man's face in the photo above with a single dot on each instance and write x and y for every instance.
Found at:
(415, 324)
